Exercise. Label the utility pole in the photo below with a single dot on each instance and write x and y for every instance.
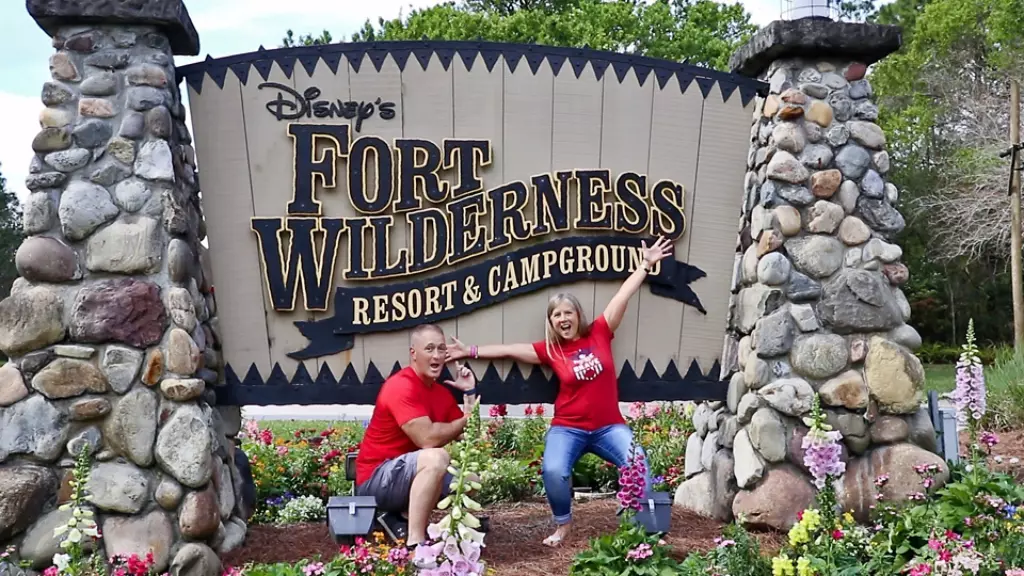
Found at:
(1015, 232)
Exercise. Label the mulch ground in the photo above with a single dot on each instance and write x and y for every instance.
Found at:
(1010, 446)
(513, 544)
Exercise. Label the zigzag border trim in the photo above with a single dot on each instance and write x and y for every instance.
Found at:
(515, 388)
(447, 50)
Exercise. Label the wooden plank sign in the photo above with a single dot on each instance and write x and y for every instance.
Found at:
(353, 191)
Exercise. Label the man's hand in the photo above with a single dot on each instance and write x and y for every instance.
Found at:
(464, 378)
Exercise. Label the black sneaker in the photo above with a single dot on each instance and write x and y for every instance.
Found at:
(396, 527)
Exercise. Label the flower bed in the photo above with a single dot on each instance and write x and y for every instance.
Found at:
(293, 468)
(969, 523)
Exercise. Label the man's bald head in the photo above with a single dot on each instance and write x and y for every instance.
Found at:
(420, 331)
(427, 350)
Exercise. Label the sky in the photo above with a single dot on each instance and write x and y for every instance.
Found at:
(225, 27)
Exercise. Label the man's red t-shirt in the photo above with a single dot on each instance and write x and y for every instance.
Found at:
(588, 393)
(403, 396)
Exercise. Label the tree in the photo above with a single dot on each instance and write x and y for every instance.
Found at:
(10, 238)
(703, 32)
(306, 40)
(944, 106)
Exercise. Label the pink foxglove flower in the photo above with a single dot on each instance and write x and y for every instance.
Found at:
(823, 453)
(631, 483)
(969, 394)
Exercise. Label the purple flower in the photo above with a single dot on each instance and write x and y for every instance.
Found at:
(461, 567)
(989, 439)
(969, 394)
(631, 482)
(823, 455)
(640, 552)
(470, 550)
(428, 554)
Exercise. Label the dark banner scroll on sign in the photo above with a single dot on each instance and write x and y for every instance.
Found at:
(363, 310)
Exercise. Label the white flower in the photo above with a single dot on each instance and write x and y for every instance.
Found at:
(1014, 460)
(467, 533)
(61, 561)
(999, 459)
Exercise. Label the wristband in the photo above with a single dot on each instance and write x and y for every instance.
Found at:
(474, 351)
(471, 392)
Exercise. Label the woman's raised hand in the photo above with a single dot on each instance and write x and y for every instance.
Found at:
(456, 350)
(662, 248)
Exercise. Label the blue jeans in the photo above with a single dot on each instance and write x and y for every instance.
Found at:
(564, 446)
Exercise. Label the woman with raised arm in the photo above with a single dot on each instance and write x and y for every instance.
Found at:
(587, 415)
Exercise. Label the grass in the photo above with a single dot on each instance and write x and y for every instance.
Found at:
(288, 427)
(939, 377)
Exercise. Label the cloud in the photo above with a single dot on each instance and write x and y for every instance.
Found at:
(16, 144)
(316, 14)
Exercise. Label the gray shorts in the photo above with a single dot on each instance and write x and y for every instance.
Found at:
(391, 482)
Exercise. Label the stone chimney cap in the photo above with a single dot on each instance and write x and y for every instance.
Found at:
(170, 16)
(815, 37)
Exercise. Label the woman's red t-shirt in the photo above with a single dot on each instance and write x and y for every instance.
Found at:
(588, 394)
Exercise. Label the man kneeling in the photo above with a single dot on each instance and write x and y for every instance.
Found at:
(402, 461)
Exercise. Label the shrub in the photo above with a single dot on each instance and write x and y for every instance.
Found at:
(736, 552)
(507, 480)
(630, 549)
(1005, 384)
(290, 462)
(939, 353)
(293, 463)
(302, 509)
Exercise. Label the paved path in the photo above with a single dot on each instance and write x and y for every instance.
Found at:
(352, 412)
(356, 412)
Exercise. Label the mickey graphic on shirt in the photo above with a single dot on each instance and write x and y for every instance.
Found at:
(586, 365)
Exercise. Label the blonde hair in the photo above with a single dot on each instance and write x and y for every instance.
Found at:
(551, 338)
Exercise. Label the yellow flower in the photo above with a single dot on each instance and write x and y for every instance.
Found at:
(811, 519)
(798, 535)
(848, 518)
(782, 566)
(803, 567)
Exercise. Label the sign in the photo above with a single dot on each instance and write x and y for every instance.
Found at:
(449, 223)
(354, 191)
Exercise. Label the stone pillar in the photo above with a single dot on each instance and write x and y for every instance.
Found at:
(110, 327)
(817, 304)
